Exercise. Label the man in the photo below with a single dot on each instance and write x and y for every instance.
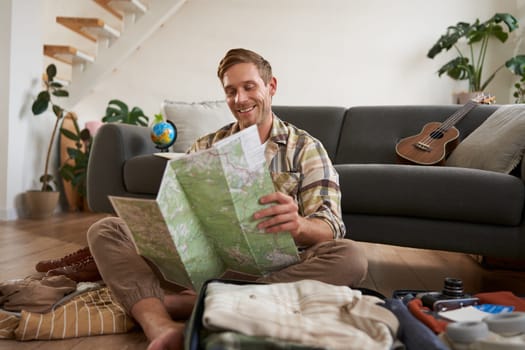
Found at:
(306, 203)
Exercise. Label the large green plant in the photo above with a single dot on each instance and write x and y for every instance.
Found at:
(469, 66)
(40, 105)
(76, 171)
(118, 112)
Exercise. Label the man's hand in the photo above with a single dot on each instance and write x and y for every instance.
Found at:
(284, 216)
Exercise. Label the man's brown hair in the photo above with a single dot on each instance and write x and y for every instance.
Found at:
(235, 56)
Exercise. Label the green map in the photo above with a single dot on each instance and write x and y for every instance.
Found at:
(201, 223)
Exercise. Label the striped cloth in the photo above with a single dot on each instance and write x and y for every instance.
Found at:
(300, 167)
(8, 323)
(91, 313)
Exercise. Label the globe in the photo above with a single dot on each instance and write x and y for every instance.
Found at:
(163, 135)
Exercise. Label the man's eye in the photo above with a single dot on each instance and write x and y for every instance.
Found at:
(230, 93)
(249, 87)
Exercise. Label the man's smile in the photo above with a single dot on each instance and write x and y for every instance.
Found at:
(246, 109)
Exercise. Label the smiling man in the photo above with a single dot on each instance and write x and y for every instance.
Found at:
(306, 202)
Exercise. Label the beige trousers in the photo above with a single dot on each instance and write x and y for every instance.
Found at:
(131, 278)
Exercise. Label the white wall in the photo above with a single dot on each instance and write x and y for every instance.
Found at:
(22, 134)
(324, 52)
(336, 52)
(5, 41)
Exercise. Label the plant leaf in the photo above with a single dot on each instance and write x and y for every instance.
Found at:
(449, 39)
(51, 72)
(74, 152)
(85, 135)
(67, 172)
(122, 106)
(499, 33)
(60, 93)
(510, 21)
(44, 95)
(59, 112)
(39, 106)
(46, 177)
(516, 65)
(457, 69)
(69, 134)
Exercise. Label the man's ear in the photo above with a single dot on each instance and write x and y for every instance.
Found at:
(273, 86)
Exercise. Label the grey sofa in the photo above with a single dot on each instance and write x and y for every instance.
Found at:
(433, 207)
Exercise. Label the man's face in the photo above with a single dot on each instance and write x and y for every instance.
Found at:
(247, 96)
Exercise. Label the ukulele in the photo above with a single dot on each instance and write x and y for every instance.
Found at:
(436, 140)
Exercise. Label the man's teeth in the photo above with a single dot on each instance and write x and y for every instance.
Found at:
(246, 109)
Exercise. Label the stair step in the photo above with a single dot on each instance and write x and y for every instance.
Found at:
(67, 54)
(90, 28)
(119, 8)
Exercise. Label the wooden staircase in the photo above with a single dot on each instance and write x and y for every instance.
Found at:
(90, 28)
(67, 54)
(112, 44)
(119, 8)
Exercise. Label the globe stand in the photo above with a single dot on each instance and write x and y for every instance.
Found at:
(164, 148)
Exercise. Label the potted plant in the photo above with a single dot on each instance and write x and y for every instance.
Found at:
(42, 203)
(469, 66)
(74, 169)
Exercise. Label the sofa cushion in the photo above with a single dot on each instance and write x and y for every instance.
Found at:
(443, 193)
(323, 123)
(195, 119)
(497, 144)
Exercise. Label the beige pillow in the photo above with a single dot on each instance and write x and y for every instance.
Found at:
(195, 119)
(497, 144)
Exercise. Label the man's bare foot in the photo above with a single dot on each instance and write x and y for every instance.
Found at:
(170, 338)
(158, 326)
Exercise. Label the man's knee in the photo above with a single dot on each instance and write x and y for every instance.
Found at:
(103, 228)
(352, 260)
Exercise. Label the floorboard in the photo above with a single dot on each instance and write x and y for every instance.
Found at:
(25, 242)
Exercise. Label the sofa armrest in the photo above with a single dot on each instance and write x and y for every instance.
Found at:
(112, 146)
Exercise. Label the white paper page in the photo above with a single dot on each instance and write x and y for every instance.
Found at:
(464, 314)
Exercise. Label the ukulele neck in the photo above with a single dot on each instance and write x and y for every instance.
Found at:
(458, 115)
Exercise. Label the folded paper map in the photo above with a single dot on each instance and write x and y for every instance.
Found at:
(201, 223)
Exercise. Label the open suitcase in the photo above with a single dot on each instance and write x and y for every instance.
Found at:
(196, 332)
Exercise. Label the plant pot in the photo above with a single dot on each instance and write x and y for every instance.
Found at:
(41, 204)
(463, 97)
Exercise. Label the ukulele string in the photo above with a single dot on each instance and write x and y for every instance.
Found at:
(450, 122)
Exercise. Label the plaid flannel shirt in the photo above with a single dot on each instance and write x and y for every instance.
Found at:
(300, 167)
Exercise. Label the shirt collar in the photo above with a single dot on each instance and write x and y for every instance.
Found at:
(279, 133)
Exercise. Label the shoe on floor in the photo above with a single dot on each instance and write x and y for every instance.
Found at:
(83, 271)
(79, 255)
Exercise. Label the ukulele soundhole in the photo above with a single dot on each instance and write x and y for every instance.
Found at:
(437, 134)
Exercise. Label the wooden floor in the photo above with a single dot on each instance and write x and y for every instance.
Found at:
(25, 242)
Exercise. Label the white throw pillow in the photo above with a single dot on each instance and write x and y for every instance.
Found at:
(195, 119)
(497, 144)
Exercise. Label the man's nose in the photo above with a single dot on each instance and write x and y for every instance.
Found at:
(241, 96)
